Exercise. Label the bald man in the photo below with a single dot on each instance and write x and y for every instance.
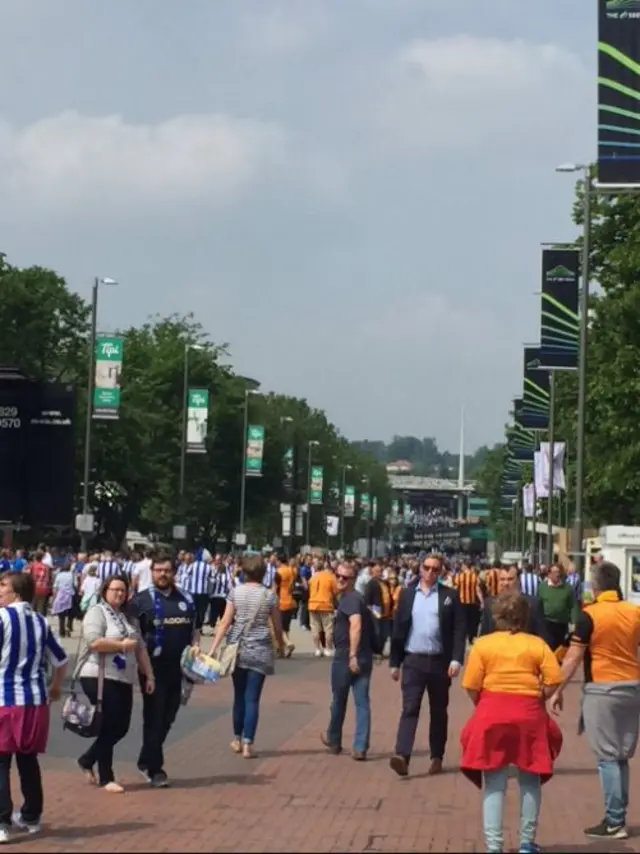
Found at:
(508, 581)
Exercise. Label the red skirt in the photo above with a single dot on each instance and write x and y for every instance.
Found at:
(509, 729)
(24, 729)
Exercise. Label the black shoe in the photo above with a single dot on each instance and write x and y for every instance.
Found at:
(159, 780)
(606, 831)
(399, 764)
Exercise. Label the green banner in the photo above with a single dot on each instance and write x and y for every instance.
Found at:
(365, 506)
(315, 485)
(106, 389)
(407, 513)
(374, 509)
(288, 466)
(349, 501)
(197, 420)
(395, 510)
(255, 450)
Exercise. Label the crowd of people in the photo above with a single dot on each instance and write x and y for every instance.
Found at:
(518, 637)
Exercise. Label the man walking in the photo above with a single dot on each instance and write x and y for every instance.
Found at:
(467, 583)
(508, 583)
(428, 643)
(351, 667)
(167, 622)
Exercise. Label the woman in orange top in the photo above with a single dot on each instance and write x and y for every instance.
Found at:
(508, 676)
(394, 589)
(323, 590)
(286, 577)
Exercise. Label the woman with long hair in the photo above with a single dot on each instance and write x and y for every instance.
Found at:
(26, 646)
(115, 653)
(509, 675)
(251, 614)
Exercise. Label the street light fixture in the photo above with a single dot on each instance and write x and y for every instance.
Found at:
(313, 443)
(185, 410)
(248, 392)
(578, 520)
(89, 408)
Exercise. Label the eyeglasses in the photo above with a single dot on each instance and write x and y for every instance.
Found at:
(343, 577)
(428, 568)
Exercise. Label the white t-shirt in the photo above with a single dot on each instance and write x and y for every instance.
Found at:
(142, 574)
(47, 560)
(90, 585)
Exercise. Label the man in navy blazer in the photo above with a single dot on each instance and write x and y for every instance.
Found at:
(427, 647)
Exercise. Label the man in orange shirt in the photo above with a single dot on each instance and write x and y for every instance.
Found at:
(286, 577)
(606, 639)
(323, 590)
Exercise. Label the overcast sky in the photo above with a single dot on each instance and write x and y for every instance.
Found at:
(352, 193)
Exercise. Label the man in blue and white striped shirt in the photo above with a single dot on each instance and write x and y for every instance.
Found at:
(195, 578)
(529, 582)
(270, 572)
(108, 566)
(221, 583)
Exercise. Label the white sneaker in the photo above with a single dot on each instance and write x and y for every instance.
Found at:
(27, 826)
(328, 653)
(5, 835)
(318, 653)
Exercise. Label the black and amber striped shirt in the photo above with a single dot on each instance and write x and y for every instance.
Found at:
(491, 580)
(467, 586)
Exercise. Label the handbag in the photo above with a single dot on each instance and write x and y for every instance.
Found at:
(80, 717)
(226, 660)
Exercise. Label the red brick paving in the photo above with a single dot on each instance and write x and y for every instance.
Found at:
(295, 797)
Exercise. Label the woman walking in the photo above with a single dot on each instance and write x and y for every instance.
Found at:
(26, 645)
(508, 676)
(64, 594)
(114, 655)
(250, 613)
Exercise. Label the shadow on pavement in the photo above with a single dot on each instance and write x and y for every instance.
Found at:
(90, 831)
(202, 782)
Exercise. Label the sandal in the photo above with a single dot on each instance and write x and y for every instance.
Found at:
(236, 746)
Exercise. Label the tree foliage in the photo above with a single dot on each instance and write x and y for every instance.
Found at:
(423, 454)
(135, 461)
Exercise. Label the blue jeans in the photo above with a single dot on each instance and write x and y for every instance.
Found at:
(247, 689)
(614, 779)
(343, 680)
(494, 789)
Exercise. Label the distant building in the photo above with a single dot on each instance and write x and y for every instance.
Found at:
(399, 467)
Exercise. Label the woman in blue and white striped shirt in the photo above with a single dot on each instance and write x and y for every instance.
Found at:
(26, 644)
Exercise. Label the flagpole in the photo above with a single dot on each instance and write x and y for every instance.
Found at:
(534, 519)
(461, 514)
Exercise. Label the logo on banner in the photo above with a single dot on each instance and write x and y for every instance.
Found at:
(560, 274)
(619, 10)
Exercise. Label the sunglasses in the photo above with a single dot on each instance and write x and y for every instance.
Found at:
(343, 577)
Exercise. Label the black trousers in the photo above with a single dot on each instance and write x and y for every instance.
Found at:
(472, 621)
(65, 623)
(159, 711)
(201, 601)
(117, 705)
(557, 633)
(30, 784)
(422, 673)
(217, 604)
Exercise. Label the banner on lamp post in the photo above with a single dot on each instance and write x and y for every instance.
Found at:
(255, 450)
(288, 466)
(535, 392)
(365, 506)
(618, 93)
(374, 508)
(559, 316)
(395, 510)
(406, 514)
(349, 502)
(197, 420)
(106, 387)
(315, 485)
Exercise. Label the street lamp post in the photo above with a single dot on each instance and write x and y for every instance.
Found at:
(185, 412)
(366, 482)
(343, 492)
(89, 408)
(287, 419)
(243, 481)
(578, 519)
(312, 444)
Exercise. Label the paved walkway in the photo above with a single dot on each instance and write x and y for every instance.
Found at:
(295, 797)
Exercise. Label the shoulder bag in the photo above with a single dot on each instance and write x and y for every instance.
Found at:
(229, 654)
(79, 717)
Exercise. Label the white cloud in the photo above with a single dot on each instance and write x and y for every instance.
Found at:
(70, 160)
(463, 91)
(282, 30)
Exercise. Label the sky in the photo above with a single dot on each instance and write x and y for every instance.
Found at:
(351, 193)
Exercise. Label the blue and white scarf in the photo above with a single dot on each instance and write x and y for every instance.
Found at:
(158, 618)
